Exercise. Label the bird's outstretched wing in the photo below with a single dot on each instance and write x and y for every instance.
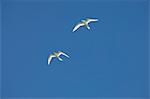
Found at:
(91, 20)
(78, 26)
(50, 58)
(62, 53)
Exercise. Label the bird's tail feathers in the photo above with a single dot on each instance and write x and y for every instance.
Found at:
(60, 59)
(88, 27)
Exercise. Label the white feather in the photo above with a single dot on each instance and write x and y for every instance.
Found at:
(50, 58)
(62, 53)
(60, 59)
(78, 26)
(91, 20)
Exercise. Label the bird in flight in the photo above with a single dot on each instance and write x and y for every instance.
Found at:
(84, 23)
(56, 55)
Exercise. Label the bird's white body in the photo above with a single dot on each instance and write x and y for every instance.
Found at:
(84, 23)
(56, 55)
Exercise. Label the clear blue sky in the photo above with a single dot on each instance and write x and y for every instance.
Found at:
(110, 60)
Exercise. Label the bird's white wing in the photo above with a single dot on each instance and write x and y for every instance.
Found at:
(62, 53)
(91, 20)
(78, 26)
(50, 58)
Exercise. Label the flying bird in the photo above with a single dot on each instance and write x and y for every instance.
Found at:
(84, 23)
(56, 55)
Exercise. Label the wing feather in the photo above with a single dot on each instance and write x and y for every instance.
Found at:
(91, 20)
(62, 53)
(78, 26)
(50, 58)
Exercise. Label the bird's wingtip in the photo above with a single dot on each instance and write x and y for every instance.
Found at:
(73, 30)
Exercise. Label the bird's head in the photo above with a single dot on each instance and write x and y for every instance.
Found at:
(55, 53)
(83, 21)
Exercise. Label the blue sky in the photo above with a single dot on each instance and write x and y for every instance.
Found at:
(110, 60)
